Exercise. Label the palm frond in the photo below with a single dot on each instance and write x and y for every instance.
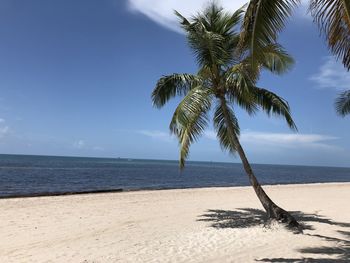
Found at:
(226, 123)
(276, 59)
(190, 119)
(342, 103)
(239, 81)
(173, 85)
(185, 24)
(208, 47)
(211, 35)
(205, 72)
(272, 103)
(263, 20)
(216, 20)
(240, 74)
(333, 19)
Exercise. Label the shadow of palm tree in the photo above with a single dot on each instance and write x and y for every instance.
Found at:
(342, 254)
(341, 251)
(248, 217)
(240, 218)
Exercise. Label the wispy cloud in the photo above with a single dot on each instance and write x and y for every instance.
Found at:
(83, 145)
(162, 11)
(80, 144)
(4, 129)
(290, 140)
(210, 135)
(158, 135)
(286, 140)
(332, 74)
(98, 148)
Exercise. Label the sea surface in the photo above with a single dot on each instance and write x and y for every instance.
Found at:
(25, 175)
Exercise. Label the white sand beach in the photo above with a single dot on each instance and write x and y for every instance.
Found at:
(191, 225)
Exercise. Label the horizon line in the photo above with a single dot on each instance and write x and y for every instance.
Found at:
(169, 160)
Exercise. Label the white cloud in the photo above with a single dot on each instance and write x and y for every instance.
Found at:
(289, 140)
(98, 148)
(210, 135)
(158, 135)
(3, 131)
(162, 11)
(79, 144)
(263, 139)
(332, 74)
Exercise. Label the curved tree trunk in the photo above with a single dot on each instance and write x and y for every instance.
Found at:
(273, 211)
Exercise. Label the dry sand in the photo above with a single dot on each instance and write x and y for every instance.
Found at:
(192, 225)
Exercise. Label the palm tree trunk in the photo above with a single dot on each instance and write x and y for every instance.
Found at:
(273, 211)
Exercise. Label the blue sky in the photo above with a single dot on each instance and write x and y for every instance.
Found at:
(76, 78)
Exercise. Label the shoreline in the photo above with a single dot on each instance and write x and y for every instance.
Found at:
(121, 190)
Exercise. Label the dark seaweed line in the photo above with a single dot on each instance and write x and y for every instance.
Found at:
(41, 194)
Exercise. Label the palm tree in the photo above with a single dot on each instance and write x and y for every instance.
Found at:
(264, 19)
(226, 78)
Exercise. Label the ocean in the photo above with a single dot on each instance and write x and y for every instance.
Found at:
(26, 175)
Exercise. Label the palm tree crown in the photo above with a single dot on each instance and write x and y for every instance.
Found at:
(226, 77)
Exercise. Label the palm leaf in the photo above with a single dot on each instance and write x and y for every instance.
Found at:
(342, 103)
(333, 19)
(271, 103)
(208, 47)
(183, 20)
(171, 86)
(263, 20)
(225, 124)
(190, 119)
(276, 59)
(239, 81)
(211, 35)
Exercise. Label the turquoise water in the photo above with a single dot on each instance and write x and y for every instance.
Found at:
(31, 175)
